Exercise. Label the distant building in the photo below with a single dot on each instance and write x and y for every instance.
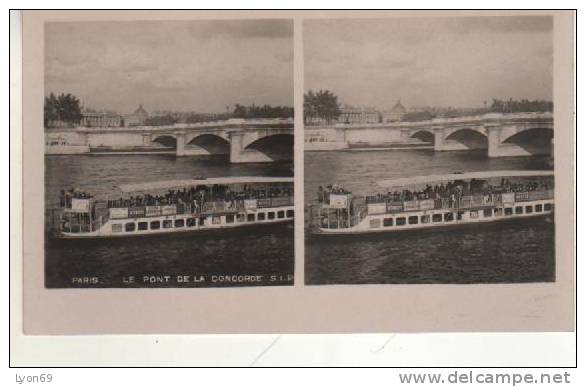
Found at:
(354, 115)
(395, 114)
(160, 119)
(137, 118)
(91, 119)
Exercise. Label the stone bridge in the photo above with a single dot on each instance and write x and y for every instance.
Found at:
(518, 134)
(262, 140)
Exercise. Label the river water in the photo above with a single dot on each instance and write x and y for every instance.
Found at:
(502, 252)
(263, 254)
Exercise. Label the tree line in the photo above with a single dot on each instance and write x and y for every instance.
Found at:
(64, 110)
(264, 111)
(520, 106)
(194, 118)
(323, 107)
(242, 111)
(160, 120)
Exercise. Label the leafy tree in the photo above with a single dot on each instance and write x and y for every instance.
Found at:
(51, 114)
(64, 110)
(322, 105)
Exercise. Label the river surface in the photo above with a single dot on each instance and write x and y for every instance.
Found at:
(260, 255)
(502, 252)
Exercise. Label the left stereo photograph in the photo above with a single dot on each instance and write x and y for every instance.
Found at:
(168, 153)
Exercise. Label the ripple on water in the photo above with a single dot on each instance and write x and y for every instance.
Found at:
(262, 250)
(521, 251)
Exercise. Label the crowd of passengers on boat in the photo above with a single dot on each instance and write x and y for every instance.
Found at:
(453, 191)
(195, 196)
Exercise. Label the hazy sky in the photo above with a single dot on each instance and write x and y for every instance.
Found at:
(430, 61)
(180, 65)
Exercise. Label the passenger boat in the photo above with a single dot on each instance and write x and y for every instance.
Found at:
(435, 201)
(176, 206)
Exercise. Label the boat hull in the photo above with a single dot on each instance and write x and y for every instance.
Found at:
(174, 224)
(376, 223)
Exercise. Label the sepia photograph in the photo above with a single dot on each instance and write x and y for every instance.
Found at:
(429, 150)
(168, 153)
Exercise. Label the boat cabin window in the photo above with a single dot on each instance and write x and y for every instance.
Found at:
(387, 222)
(374, 223)
(167, 223)
(271, 215)
(528, 209)
(487, 212)
(509, 211)
(400, 221)
(230, 218)
(290, 213)
(498, 212)
(436, 218)
(155, 225)
(240, 218)
(474, 214)
(117, 227)
(129, 227)
(448, 217)
(518, 210)
(459, 215)
(547, 206)
(216, 219)
(425, 218)
(179, 222)
(261, 216)
(413, 219)
(538, 208)
(250, 217)
(281, 214)
(191, 222)
(143, 226)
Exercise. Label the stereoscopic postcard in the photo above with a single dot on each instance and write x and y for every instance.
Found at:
(260, 172)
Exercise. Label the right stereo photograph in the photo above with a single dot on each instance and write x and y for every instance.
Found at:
(429, 150)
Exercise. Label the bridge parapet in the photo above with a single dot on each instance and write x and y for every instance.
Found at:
(212, 125)
(439, 122)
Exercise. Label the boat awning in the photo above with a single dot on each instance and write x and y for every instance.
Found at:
(175, 184)
(409, 181)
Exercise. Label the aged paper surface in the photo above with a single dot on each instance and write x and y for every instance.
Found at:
(542, 304)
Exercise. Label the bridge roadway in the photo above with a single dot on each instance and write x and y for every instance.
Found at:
(262, 140)
(518, 134)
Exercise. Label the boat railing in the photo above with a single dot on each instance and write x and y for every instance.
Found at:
(323, 216)
(74, 222)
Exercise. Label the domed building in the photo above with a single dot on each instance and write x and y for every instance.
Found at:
(137, 118)
(395, 114)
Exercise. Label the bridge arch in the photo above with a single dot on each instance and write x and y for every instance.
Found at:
(469, 138)
(424, 135)
(165, 140)
(449, 131)
(211, 143)
(189, 138)
(533, 140)
(278, 146)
